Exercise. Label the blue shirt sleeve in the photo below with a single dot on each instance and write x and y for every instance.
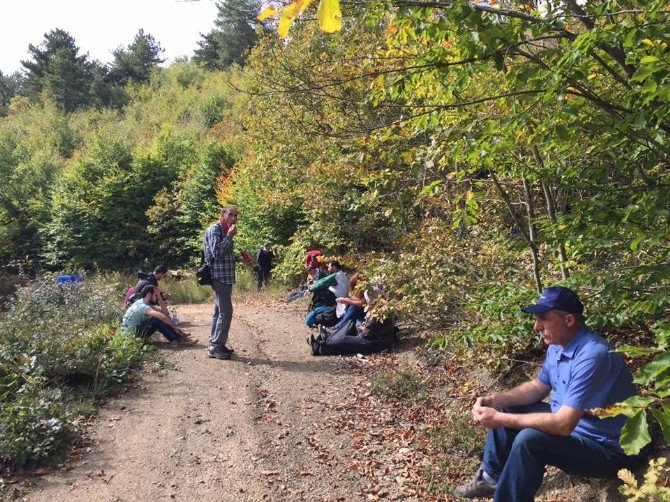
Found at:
(543, 376)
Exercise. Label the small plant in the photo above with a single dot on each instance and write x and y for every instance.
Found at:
(457, 446)
(654, 486)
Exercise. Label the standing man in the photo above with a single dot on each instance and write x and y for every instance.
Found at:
(525, 434)
(264, 259)
(219, 255)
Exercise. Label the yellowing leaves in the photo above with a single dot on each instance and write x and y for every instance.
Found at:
(289, 14)
(270, 11)
(330, 16)
(328, 13)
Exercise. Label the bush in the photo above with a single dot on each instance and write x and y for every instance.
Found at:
(57, 344)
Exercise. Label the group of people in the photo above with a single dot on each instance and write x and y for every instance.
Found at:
(337, 310)
(543, 422)
(146, 312)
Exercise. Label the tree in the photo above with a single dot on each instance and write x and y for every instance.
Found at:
(232, 38)
(135, 63)
(59, 71)
(10, 86)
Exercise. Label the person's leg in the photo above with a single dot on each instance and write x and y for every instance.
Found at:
(223, 316)
(352, 313)
(532, 450)
(499, 441)
(164, 329)
(145, 329)
(259, 278)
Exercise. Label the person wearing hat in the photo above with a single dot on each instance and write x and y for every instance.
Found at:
(581, 372)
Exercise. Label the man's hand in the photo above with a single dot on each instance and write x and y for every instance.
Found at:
(485, 401)
(486, 416)
(232, 231)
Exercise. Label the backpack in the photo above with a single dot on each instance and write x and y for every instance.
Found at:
(322, 298)
(129, 294)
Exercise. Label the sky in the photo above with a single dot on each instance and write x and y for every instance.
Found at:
(100, 26)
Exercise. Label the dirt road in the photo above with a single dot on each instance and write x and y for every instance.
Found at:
(252, 428)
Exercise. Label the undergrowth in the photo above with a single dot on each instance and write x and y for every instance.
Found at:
(60, 350)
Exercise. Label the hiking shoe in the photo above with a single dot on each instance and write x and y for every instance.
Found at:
(187, 341)
(218, 354)
(226, 349)
(315, 347)
(476, 488)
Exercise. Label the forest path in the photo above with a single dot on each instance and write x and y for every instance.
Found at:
(246, 429)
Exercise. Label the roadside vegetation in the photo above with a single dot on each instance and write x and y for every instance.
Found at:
(465, 154)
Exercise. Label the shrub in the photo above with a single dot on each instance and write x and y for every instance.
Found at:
(57, 344)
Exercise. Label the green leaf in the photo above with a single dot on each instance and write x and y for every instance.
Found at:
(635, 434)
(636, 242)
(632, 351)
(652, 369)
(662, 416)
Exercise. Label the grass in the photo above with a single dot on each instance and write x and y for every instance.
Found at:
(404, 385)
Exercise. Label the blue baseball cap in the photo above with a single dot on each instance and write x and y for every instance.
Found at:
(556, 298)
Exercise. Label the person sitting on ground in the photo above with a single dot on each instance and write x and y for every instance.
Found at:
(142, 320)
(354, 303)
(525, 434)
(341, 289)
(355, 335)
(148, 280)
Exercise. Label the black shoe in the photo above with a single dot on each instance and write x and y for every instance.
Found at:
(226, 349)
(218, 354)
(315, 346)
(323, 332)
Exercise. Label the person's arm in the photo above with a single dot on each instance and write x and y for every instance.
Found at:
(162, 317)
(220, 242)
(529, 392)
(161, 304)
(355, 301)
(561, 423)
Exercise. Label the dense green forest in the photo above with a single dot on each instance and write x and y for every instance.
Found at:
(468, 154)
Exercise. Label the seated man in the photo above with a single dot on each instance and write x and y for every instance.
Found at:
(525, 434)
(148, 280)
(142, 320)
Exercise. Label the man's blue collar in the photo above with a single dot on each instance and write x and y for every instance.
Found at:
(576, 341)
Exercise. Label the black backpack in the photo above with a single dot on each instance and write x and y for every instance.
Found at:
(322, 298)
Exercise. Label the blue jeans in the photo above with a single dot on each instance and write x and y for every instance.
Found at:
(352, 313)
(517, 458)
(151, 325)
(223, 315)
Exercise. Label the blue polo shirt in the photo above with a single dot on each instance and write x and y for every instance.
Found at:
(584, 375)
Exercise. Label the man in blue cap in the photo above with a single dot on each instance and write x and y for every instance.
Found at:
(525, 434)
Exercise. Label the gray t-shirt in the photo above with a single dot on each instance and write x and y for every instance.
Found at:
(135, 315)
